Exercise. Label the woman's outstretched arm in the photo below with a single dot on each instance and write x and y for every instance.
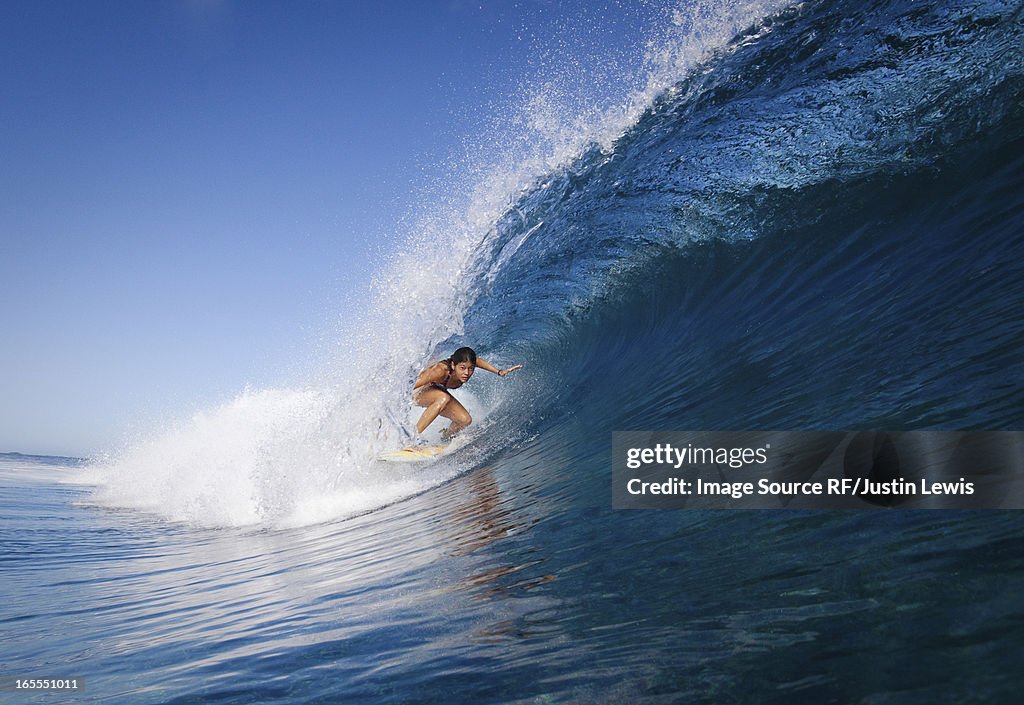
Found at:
(484, 365)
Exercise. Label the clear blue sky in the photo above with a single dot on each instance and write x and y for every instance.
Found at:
(193, 192)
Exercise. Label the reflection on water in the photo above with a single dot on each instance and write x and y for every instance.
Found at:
(482, 518)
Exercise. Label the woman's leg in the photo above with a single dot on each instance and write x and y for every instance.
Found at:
(441, 403)
(459, 416)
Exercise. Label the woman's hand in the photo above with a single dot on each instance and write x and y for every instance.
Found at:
(502, 373)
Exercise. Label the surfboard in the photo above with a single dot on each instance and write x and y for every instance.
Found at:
(413, 454)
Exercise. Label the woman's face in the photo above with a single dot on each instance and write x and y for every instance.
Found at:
(464, 370)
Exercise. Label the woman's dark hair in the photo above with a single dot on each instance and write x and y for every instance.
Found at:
(462, 355)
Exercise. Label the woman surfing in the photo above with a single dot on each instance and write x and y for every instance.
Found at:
(433, 385)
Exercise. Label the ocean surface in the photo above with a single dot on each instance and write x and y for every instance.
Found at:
(802, 218)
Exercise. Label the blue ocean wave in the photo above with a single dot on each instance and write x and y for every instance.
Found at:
(814, 223)
(819, 226)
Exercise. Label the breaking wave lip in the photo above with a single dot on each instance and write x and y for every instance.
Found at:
(738, 109)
